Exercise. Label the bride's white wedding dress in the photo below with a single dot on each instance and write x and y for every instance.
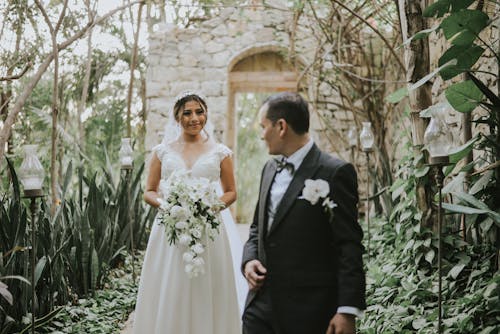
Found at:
(169, 302)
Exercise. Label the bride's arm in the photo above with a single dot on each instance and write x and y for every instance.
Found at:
(227, 181)
(153, 181)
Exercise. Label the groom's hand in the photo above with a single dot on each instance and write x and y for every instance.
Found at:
(342, 323)
(255, 273)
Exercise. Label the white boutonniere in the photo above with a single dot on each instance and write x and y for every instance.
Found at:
(314, 190)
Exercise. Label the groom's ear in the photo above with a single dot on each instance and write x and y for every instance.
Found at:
(282, 127)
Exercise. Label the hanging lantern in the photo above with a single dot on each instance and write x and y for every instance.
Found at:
(31, 172)
(366, 137)
(437, 137)
(125, 154)
(352, 137)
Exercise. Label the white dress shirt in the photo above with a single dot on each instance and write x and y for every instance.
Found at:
(278, 188)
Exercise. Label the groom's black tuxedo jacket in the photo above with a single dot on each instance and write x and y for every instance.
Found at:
(313, 264)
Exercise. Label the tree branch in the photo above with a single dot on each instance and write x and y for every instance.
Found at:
(11, 117)
(17, 76)
(374, 30)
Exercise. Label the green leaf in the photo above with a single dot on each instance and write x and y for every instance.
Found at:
(39, 268)
(462, 209)
(462, 28)
(482, 182)
(466, 56)
(419, 323)
(397, 95)
(397, 188)
(419, 172)
(460, 152)
(456, 270)
(456, 184)
(442, 7)
(429, 256)
(464, 96)
(471, 211)
(431, 75)
(489, 330)
(471, 200)
(489, 290)
(420, 35)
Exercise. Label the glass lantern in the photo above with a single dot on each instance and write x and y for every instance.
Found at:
(125, 153)
(31, 172)
(352, 137)
(437, 137)
(366, 137)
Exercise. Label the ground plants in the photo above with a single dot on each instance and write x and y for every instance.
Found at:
(76, 247)
(402, 271)
(106, 311)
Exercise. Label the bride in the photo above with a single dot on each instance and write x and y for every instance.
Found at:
(169, 301)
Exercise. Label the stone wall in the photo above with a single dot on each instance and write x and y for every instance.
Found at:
(200, 59)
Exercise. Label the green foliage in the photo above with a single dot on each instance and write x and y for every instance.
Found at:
(464, 96)
(75, 248)
(402, 271)
(441, 7)
(466, 57)
(106, 311)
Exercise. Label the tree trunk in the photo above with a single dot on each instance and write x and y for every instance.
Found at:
(55, 113)
(144, 114)
(132, 69)
(417, 61)
(85, 91)
(54, 29)
(21, 100)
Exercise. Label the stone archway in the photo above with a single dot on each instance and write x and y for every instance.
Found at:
(259, 69)
(256, 70)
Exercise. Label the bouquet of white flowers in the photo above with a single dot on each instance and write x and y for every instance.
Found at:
(189, 210)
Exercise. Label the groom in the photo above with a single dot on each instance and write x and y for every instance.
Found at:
(302, 261)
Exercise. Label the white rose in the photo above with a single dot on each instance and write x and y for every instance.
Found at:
(189, 269)
(198, 262)
(314, 190)
(179, 212)
(188, 257)
(181, 225)
(198, 248)
(195, 232)
(185, 239)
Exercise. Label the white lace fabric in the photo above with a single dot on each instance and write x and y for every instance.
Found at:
(206, 165)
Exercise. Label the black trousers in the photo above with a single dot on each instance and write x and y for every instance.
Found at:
(258, 316)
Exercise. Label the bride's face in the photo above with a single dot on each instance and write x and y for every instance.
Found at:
(192, 118)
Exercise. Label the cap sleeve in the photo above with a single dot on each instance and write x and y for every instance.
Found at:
(160, 151)
(224, 152)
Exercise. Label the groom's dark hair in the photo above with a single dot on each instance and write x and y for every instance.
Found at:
(292, 108)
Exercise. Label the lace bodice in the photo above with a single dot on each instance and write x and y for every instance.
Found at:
(207, 165)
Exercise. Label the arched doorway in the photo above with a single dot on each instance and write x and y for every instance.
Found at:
(253, 75)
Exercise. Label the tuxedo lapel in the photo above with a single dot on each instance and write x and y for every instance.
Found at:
(267, 180)
(306, 170)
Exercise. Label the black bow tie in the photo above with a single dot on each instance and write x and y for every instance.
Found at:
(284, 164)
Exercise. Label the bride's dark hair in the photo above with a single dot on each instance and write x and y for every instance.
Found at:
(190, 96)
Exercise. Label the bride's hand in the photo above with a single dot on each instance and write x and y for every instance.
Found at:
(255, 273)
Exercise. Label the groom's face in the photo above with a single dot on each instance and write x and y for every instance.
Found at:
(270, 132)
